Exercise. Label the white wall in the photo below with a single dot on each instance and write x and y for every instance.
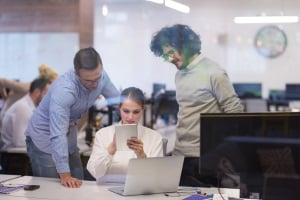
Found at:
(122, 38)
(22, 53)
(124, 35)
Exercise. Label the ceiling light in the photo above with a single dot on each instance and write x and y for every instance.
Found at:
(177, 6)
(104, 10)
(266, 19)
(156, 1)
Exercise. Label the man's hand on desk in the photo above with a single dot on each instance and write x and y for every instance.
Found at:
(68, 181)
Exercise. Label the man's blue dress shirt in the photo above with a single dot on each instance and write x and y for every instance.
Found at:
(52, 127)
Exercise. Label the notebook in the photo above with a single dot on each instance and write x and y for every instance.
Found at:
(151, 175)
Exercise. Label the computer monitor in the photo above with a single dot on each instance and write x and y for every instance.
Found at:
(222, 162)
(292, 91)
(158, 88)
(276, 95)
(166, 106)
(248, 90)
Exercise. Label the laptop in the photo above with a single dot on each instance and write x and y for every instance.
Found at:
(151, 175)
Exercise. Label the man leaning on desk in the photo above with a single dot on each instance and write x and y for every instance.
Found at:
(51, 136)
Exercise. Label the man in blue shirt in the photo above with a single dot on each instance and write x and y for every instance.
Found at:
(51, 136)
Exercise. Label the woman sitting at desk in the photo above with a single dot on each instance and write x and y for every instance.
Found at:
(106, 163)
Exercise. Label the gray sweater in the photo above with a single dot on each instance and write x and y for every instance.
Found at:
(201, 87)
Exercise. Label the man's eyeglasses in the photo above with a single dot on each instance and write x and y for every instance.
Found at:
(169, 54)
(90, 82)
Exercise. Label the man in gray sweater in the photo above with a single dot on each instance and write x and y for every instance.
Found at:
(202, 86)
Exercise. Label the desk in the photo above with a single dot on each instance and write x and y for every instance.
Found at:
(8, 197)
(17, 150)
(51, 189)
(6, 177)
(15, 161)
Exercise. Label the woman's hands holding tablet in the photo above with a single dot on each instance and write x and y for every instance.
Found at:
(136, 145)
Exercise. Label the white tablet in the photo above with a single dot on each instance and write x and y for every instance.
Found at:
(123, 133)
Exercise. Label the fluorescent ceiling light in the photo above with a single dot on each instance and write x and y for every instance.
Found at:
(104, 10)
(177, 6)
(266, 19)
(157, 1)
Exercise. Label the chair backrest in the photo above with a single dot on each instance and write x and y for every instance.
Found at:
(165, 144)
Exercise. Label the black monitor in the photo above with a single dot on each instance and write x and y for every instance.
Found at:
(248, 90)
(292, 91)
(158, 88)
(224, 161)
(165, 105)
(276, 95)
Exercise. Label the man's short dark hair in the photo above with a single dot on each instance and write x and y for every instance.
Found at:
(87, 58)
(38, 83)
(178, 36)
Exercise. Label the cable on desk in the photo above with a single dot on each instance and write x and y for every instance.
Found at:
(219, 185)
(9, 179)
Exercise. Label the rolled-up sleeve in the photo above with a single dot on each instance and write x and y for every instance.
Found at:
(59, 114)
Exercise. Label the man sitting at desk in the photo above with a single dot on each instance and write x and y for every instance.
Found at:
(16, 118)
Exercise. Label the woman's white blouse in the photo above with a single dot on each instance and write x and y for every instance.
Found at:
(107, 168)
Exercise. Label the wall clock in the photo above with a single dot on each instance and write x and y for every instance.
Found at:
(270, 41)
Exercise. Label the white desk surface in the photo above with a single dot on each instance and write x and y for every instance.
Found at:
(4, 177)
(51, 189)
(17, 150)
(8, 197)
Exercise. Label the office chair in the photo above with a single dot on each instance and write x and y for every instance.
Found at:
(165, 144)
(165, 104)
(255, 105)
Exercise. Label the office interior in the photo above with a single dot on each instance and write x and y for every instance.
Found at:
(48, 32)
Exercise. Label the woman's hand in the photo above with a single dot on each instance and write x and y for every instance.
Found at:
(112, 148)
(68, 181)
(136, 145)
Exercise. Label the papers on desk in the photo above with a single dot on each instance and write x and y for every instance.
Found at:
(199, 197)
(6, 189)
(211, 197)
(209, 193)
(207, 197)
